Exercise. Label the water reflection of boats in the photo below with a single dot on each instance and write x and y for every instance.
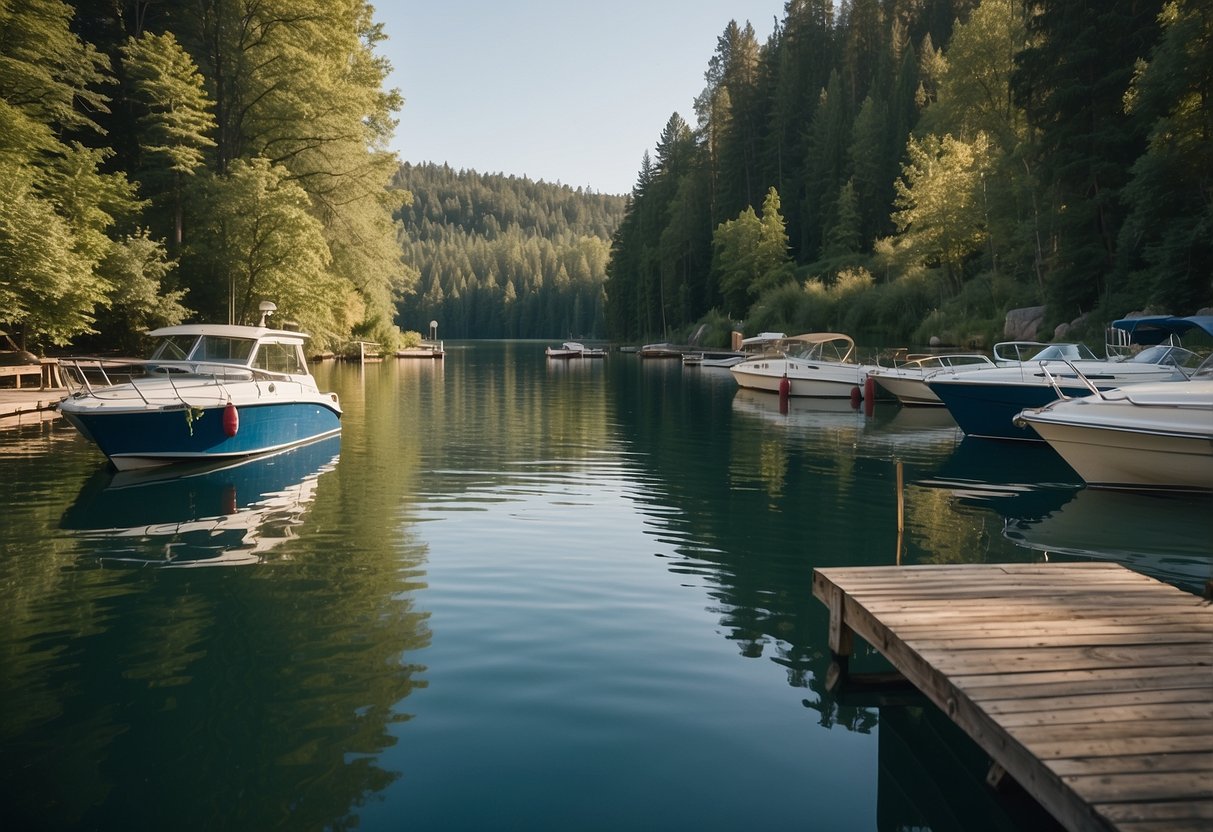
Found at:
(200, 515)
(1165, 536)
(1013, 478)
(797, 412)
(912, 432)
(1044, 507)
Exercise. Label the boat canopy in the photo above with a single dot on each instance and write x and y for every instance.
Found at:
(1156, 329)
(813, 344)
(230, 331)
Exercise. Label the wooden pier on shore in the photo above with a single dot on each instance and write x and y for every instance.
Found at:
(29, 405)
(1088, 684)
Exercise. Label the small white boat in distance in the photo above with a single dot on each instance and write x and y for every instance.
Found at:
(1144, 436)
(817, 364)
(574, 349)
(905, 380)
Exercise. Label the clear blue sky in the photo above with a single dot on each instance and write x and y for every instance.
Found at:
(559, 90)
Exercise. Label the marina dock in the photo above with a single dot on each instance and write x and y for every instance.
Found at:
(1088, 684)
(29, 405)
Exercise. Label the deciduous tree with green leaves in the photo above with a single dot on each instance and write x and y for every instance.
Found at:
(939, 201)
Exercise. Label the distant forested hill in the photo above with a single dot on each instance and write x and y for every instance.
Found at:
(502, 256)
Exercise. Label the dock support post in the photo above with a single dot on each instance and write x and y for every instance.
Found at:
(841, 638)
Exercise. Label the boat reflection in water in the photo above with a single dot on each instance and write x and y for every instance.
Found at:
(1045, 508)
(1165, 536)
(800, 412)
(207, 515)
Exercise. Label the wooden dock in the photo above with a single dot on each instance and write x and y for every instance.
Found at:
(29, 405)
(1089, 684)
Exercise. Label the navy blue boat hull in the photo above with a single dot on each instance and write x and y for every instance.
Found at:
(133, 439)
(989, 410)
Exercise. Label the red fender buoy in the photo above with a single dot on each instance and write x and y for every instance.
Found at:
(869, 396)
(855, 398)
(231, 419)
(785, 390)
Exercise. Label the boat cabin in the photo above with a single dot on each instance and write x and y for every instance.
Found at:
(271, 350)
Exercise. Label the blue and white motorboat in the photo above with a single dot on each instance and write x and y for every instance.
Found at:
(985, 402)
(208, 392)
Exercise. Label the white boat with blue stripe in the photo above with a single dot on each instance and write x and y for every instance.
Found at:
(209, 392)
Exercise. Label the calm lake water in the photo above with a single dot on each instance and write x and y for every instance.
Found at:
(513, 594)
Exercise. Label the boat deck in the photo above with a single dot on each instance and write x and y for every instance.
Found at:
(1089, 684)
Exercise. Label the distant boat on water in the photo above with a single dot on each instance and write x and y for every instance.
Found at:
(574, 349)
(663, 350)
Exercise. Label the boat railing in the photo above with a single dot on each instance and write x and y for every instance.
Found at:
(1078, 375)
(1016, 352)
(218, 371)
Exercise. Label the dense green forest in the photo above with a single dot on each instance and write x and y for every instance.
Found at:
(504, 257)
(170, 161)
(906, 168)
(914, 168)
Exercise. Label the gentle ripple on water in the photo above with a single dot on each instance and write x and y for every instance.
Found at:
(511, 595)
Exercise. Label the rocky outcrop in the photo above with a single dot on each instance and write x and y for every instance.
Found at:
(1021, 324)
(1062, 331)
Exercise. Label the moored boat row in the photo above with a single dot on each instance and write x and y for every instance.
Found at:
(1138, 421)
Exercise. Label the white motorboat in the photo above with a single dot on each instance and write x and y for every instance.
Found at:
(209, 392)
(905, 380)
(1150, 436)
(574, 349)
(984, 402)
(816, 364)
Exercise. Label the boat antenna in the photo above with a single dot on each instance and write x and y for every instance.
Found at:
(267, 308)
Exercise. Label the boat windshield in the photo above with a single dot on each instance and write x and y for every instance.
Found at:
(1069, 352)
(174, 347)
(1166, 354)
(279, 358)
(836, 350)
(214, 348)
(1205, 370)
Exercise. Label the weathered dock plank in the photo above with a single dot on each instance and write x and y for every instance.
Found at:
(18, 407)
(1089, 684)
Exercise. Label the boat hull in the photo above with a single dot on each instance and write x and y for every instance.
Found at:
(908, 389)
(816, 379)
(989, 411)
(150, 437)
(985, 402)
(1148, 438)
